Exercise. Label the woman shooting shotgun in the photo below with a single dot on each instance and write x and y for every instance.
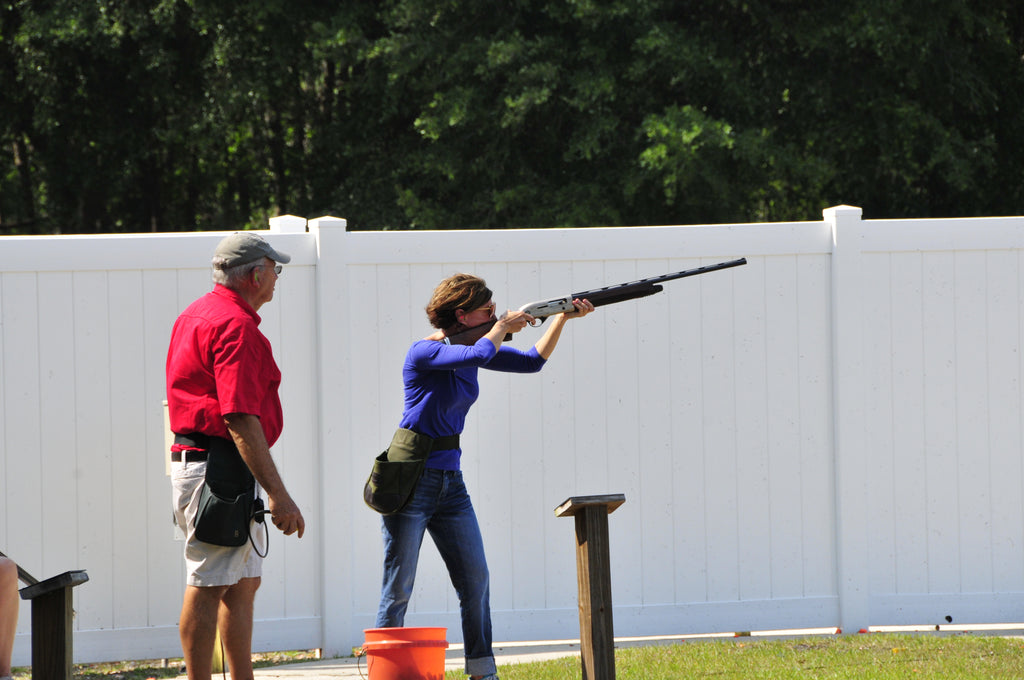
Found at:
(440, 379)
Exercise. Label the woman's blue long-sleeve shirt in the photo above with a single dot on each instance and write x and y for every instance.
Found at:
(441, 385)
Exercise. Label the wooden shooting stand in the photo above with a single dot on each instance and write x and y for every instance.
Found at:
(594, 577)
(51, 622)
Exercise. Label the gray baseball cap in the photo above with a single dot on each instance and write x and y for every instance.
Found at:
(244, 247)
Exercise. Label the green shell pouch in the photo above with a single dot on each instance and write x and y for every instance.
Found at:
(397, 470)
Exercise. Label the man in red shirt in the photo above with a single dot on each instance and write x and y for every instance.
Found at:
(222, 397)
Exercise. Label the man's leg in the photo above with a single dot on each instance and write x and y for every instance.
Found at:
(198, 628)
(235, 625)
(8, 612)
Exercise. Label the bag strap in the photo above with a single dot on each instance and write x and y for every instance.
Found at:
(445, 443)
(410, 445)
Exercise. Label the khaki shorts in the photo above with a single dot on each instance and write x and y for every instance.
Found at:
(207, 564)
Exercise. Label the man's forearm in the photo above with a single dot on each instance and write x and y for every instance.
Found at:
(248, 436)
(252, 444)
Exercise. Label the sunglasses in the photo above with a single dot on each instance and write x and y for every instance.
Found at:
(489, 308)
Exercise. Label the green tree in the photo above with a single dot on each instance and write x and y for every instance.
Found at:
(667, 112)
(185, 114)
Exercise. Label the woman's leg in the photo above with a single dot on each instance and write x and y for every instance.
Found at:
(456, 533)
(403, 536)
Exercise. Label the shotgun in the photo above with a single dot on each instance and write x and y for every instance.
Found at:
(609, 295)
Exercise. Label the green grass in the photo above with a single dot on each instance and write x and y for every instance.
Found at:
(856, 657)
(154, 669)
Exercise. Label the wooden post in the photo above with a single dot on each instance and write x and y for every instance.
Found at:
(52, 654)
(594, 578)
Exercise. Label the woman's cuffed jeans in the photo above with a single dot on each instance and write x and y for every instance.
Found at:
(440, 505)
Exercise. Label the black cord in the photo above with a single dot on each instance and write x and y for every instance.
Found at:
(359, 655)
(257, 515)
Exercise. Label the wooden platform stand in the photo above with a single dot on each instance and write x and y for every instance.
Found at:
(594, 577)
(52, 654)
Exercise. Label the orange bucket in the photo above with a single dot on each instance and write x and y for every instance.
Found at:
(405, 653)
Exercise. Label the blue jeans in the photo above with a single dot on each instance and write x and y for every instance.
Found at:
(441, 506)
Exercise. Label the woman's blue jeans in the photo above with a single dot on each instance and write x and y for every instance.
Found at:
(440, 505)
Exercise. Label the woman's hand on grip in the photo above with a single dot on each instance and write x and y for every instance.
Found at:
(514, 321)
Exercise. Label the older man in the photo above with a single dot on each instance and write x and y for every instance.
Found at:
(222, 395)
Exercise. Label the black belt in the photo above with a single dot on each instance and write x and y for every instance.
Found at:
(189, 456)
(197, 440)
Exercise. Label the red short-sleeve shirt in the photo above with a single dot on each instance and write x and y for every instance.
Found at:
(220, 363)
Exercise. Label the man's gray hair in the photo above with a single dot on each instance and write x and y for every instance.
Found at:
(233, 277)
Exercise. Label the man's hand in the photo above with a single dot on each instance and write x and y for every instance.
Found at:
(285, 515)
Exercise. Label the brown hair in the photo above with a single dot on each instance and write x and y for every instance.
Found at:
(459, 291)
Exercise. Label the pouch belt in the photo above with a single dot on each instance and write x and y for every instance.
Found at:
(195, 440)
(446, 443)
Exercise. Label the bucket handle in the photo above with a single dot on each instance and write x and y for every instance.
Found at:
(397, 644)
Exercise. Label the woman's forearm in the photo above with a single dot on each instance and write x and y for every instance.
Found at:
(547, 343)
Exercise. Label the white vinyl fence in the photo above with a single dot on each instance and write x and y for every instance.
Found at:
(828, 436)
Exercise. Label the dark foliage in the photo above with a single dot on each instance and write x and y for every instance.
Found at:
(444, 114)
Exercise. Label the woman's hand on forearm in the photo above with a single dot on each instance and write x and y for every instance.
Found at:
(583, 307)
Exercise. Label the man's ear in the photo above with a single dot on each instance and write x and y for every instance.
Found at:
(256, 276)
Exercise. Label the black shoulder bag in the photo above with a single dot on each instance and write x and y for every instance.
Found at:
(228, 497)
